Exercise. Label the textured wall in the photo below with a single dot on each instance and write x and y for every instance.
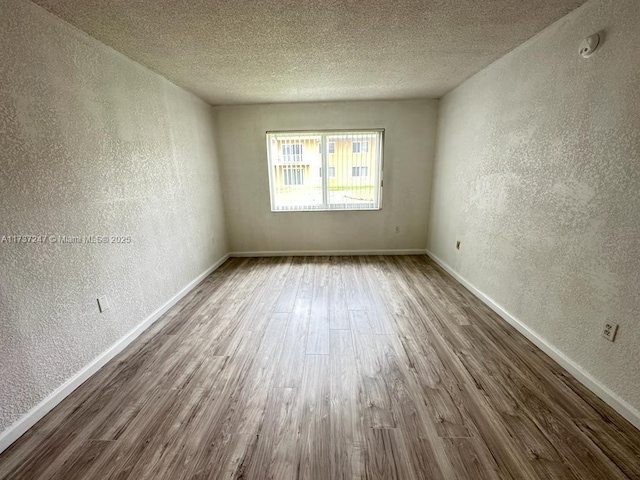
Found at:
(92, 143)
(537, 174)
(408, 150)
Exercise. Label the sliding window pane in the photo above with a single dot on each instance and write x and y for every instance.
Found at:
(356, 163)
(295, 163)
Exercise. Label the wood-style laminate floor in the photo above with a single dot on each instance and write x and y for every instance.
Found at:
(329, 368)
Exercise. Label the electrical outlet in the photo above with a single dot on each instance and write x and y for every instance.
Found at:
(609, 331)
(103, 304)
(458, 244)
(397, 229)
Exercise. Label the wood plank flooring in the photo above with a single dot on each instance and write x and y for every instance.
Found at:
(329, 368)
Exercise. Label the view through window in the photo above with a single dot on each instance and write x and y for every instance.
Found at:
(297, 161)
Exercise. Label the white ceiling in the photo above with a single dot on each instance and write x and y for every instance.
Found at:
(262, 51)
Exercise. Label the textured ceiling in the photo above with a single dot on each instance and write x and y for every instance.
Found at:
(241, 51)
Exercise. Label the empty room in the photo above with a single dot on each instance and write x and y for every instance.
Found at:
(320, 240)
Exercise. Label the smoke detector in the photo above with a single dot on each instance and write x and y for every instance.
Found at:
(589, 45)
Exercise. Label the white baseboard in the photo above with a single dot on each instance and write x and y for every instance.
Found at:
(325, 253)
(16, 430)
(608, 396)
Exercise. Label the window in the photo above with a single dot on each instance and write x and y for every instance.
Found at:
(291, 152)
(359, 171)
(360, 147)
(332, 172)
(293, 176)
(352, 159)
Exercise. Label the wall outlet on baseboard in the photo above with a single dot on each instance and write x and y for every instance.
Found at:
(103, 304)
(609, 331)
(458, 244)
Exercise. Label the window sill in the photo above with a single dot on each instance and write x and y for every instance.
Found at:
(307, 210)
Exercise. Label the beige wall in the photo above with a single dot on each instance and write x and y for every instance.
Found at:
(538, 175)
(408, 156)
(92, 143)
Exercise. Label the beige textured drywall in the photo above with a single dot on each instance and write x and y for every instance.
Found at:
(267, 51)
(408, 157)
(92, 143)
(538, 174)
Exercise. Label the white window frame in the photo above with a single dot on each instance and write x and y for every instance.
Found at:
(325, 134)
(360, 169)
(361, 144)
(332, 171)
(292, 157)
(292, 172)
